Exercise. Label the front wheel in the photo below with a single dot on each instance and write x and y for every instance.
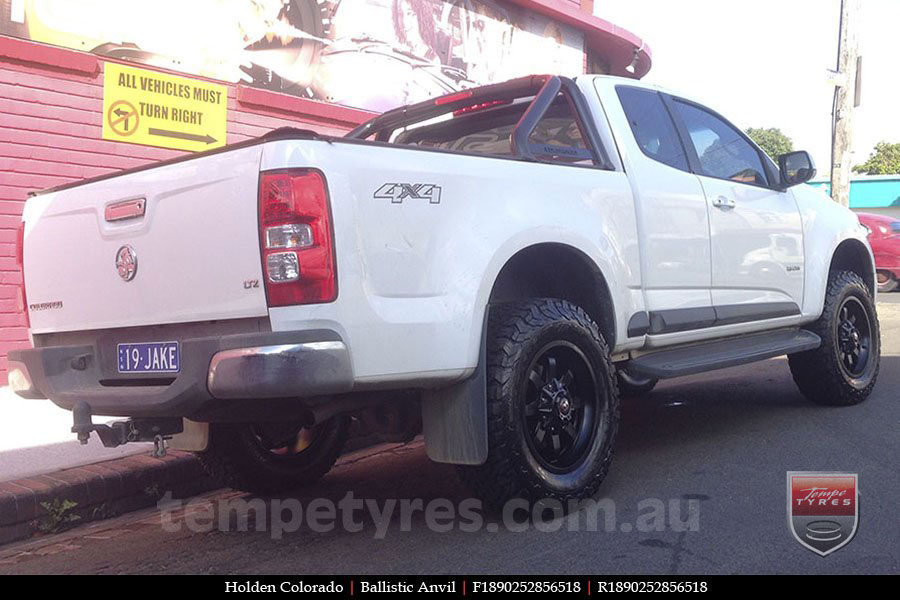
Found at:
(553, 406)
(842, 371)
(268, 458)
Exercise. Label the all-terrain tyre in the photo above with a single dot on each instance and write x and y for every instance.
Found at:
(842, 371)
(272, 458)
(553, 405)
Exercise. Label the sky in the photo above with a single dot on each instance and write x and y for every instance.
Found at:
(764, 63)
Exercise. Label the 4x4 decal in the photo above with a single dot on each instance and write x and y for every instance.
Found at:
(398, 192)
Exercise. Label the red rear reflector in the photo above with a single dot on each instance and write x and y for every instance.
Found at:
(20, 261)
(453, 97)
(296, 238)
(20, 244)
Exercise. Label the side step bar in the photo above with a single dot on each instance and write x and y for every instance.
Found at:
(708, 356)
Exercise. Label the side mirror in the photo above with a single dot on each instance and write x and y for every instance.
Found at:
(796, 168)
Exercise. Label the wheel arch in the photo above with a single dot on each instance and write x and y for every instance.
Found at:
(853, 255)
(557, 270)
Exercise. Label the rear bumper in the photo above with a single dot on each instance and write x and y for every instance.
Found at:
(255, 366)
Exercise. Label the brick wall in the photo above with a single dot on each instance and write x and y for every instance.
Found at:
(51, 104)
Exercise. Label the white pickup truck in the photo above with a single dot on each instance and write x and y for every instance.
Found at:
(509, 258)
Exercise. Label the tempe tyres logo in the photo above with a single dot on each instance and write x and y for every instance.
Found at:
(823, 509)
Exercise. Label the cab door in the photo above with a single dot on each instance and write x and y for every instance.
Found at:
(756, 235)
(671, 213)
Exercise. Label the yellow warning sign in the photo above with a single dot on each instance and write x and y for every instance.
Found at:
(155, 109)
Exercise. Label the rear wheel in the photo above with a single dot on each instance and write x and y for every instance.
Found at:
(842, 371)
(553, 407)
(267, 458)
(886, 281)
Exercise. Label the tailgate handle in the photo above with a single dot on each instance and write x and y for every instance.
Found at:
(126, 209)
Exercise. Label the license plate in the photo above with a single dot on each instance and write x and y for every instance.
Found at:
(151, 357)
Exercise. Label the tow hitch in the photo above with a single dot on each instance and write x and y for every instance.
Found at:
(121, 432)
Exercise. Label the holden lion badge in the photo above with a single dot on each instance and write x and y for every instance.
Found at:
(126, 262)
(823, 509)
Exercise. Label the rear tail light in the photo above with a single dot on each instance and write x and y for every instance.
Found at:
(283, 267)
(20, 261)
(296, 235)
(296, 238)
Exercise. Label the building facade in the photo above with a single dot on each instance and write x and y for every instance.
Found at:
(87, 87)
(877, 194)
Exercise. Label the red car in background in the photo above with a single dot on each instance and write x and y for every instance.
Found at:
(884, 237)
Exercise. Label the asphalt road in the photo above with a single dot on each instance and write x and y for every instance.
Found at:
(723, 441)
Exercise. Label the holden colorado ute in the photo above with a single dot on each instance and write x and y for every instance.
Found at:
(493, 267)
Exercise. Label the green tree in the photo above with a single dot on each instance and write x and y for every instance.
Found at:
(884, 160)
(772, 140)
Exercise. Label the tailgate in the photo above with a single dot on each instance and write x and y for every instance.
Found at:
(196, 247)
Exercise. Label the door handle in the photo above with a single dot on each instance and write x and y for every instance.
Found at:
(723, 202)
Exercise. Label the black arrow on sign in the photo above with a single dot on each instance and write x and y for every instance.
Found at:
(191, 137)
(123, 115)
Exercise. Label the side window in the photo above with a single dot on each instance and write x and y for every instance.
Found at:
(723, 152)
(652, 127)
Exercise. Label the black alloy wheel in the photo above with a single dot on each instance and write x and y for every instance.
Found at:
(561, 403)
(853, 336)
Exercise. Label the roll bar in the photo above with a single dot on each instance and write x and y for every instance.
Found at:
(544, 88)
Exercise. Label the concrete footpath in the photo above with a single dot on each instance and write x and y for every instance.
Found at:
(49, 482)
(36, 437)
(53, 502)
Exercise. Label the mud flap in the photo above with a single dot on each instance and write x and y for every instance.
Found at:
(454, 418)
(194, 438)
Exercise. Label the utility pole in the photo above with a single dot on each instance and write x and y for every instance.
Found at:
(845, 98)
